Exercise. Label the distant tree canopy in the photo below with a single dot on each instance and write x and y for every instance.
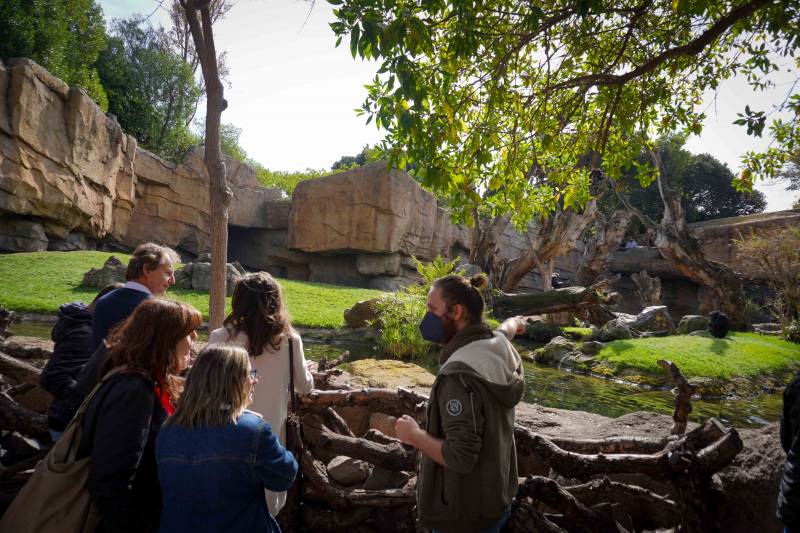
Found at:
(151, 90)
(704, 184)
(64, 36)
(483, 95)
(366, 155)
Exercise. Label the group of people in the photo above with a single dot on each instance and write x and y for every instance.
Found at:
(203, 450)
(172, 450)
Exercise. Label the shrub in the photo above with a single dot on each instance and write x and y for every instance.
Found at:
(399, 314)
(776, 256)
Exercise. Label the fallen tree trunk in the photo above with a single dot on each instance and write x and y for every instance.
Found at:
(588, 302)
(19, 371)
(14, 417)
(324, 364)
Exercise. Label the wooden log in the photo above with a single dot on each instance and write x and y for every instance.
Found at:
(14, 417)
(323, 380)
(581, 517)
(341, 498)
(662, 465)
(525, 518)
(392, 456)
(611, 445)
(392, 402)
(682, 405)
(324, 364)
(18, 371)
(539, 303)
(336, 423)
(646, 509)
(381, 438)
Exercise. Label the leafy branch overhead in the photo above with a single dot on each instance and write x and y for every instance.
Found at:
(510, 104)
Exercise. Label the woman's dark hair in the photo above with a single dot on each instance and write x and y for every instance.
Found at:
(146, 341)
(257, 309)
(465, 291)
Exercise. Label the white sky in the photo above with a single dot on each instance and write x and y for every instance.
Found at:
(293, 93)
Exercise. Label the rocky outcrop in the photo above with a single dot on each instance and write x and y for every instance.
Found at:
(62, 160)
(374, 210)
(197, 276)
(692, 323)
(112, 271)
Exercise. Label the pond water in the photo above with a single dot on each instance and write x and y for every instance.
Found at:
(553, 387)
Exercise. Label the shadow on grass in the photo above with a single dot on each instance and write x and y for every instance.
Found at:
(720, 346)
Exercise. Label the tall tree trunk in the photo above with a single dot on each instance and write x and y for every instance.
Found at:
(219, 193)
(484, 246)
(548, 239)
(683, 250)
(597, 255)
(648, 288)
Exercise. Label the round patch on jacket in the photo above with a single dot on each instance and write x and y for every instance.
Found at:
(454, 408)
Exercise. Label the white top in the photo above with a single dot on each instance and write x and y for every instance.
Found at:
(271, 393)
(135, 285)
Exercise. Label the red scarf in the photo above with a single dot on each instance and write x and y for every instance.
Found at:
(163, 397)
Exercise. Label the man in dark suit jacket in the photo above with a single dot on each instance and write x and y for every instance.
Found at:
(150, 273)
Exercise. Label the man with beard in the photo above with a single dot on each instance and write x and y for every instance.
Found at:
(468, 474)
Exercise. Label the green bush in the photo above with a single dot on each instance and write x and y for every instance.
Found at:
(399, 314)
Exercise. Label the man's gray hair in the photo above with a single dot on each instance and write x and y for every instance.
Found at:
(150, 254)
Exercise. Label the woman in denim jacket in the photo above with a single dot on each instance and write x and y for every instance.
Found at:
(214, 457)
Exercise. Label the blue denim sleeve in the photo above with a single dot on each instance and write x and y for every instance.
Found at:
(275, 465)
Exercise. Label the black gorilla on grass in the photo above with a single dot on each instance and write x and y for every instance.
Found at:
(718, 324)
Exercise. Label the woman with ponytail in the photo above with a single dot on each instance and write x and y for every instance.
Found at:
(260, 324)
(468, 473)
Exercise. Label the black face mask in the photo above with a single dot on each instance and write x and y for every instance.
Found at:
(432, 328)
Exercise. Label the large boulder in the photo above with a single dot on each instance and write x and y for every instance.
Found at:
(361, 314)
(197, 276)
(691, 323)
(371, 209)
(348, 471)
(655, 318)
(613, 330)
(555, 351)
(112, 271)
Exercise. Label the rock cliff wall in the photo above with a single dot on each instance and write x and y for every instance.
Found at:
(70, 178)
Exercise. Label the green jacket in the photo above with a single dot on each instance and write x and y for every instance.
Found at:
(472, 409)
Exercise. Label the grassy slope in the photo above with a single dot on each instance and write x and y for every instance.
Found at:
(739, 354)
(40, 282)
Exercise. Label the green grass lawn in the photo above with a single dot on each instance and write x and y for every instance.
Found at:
(40, 282)
(739, 354)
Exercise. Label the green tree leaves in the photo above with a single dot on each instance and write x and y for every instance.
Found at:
(520, 99)
(64, 36)
(151, 91)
